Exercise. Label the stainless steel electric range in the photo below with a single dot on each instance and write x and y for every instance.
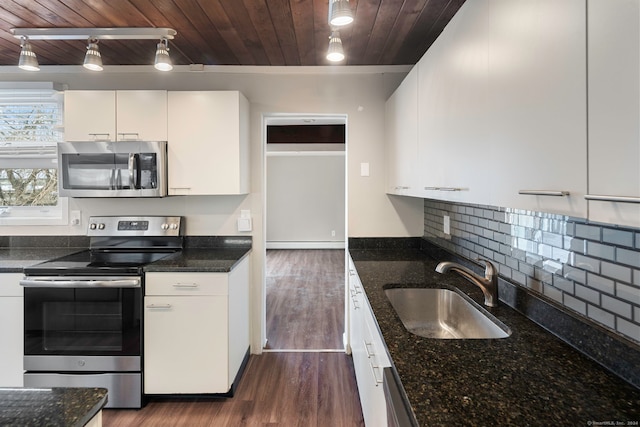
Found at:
(83, 312)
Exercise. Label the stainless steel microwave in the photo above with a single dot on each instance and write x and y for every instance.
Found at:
(112, 169)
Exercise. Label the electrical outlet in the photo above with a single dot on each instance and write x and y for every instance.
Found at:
(75, 218)
(447, 224)
(333, 233)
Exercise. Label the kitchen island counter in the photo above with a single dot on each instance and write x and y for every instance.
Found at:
(530, 378)
(68, 407)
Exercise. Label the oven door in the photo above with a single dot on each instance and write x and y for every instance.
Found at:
(82, 323)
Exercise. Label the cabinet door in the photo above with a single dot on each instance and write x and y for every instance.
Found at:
(11, 332)
(453, 148)
(186, 343)
(614, 109)
(208, 143)
(401, 142)
(537, 80)
(89, 115)
(141, 115)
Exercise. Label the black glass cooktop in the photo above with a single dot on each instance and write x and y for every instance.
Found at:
(97, 263)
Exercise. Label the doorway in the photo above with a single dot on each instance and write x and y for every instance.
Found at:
(305, 195)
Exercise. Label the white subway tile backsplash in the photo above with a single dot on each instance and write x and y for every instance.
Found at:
(592, 269)
(632, 330)
(603, 317)
(628, 293)
(628, 257)
(616, 306)
(617, 237)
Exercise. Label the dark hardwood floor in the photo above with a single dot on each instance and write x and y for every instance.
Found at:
(305, 313)
(277, 389)
(305, 299)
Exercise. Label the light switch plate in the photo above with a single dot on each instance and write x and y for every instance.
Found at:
(364, 169)
(447, 224)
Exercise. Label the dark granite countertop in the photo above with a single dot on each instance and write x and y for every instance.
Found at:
(59, 407)
(531, 378)
(13, 260)
(217, 260)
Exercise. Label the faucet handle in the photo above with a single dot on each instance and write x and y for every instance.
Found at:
(490, 270)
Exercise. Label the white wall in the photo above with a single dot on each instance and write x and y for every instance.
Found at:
(305, 200)
(359, 93)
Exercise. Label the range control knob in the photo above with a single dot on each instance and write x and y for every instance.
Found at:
(92, 226)
(101, 226)
(165, 226)
(174, 226)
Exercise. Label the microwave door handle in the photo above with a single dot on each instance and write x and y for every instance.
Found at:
(132, 167)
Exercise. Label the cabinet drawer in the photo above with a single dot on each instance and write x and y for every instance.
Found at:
(186, 284)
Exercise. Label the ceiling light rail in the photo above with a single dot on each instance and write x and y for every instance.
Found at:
(93, 61)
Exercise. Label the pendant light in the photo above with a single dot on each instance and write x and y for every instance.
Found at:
(92, 59)
(340, 13)
(335, 52)
(28, 60)
(163, 60)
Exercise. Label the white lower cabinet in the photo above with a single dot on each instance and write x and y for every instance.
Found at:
(368, 352)
(196, 330)
(11, 332)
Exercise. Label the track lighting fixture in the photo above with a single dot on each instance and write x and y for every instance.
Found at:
(28, 60)
(163, 60)
(340, 13)
(335, 52)
(92, 59)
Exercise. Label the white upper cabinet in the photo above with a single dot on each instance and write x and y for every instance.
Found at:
(537, 103)
(208, 143)
(141, 115)
(614, 110)
(401, 139)
(453, 149)
(115, 115)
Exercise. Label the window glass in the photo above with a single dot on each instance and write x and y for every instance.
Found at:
(30, 127)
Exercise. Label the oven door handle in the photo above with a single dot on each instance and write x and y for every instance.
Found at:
(133, 282)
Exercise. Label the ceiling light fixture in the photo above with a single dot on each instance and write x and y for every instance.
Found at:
(92, 59)
(335, 52)
(340, 13)
(28, 60)
(163, 60)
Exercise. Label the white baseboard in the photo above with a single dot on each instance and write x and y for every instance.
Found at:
(306, 245)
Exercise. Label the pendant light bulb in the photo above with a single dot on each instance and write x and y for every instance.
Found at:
(335, 52)
(340, 13)
(163, 60)
(92, 59)
(28, 60)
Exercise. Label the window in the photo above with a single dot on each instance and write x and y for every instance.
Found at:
(30, 127)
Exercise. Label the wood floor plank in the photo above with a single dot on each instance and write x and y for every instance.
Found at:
(277, 389)
(305, 299)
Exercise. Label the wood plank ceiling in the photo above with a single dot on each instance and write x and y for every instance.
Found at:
(231, 32)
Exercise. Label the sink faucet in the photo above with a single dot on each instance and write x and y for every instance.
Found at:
(488, 283)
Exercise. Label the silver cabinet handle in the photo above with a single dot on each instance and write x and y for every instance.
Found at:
(105, 136)
(158, 306)
(443, 188)
(544, 193)
(80, 282)
(401, 187)
(366, 349)
(122, 136)
(607, 198)
(185, 285)
(376, 378)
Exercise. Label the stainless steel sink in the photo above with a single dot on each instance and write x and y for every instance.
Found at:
(443, 314)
